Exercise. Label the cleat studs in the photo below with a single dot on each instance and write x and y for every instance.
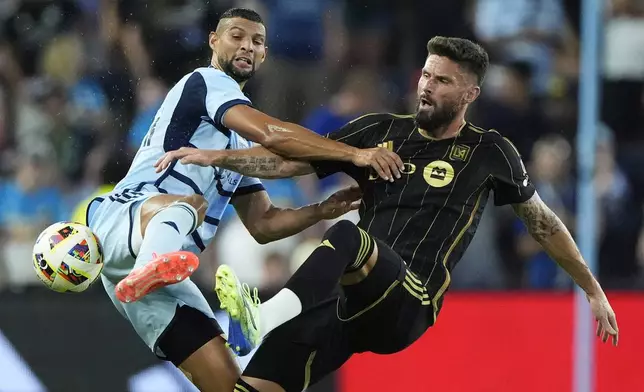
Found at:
(165, 259)
(182, 257)
(179, 277)
(190, 269)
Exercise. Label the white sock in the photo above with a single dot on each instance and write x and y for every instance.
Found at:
(282, 307)
(166, 231)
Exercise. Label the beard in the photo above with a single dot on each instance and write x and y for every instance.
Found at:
(437, 117)
(238, 75)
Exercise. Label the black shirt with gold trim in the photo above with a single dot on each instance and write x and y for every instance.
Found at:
(430, 215)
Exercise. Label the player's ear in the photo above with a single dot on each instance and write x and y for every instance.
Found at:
(472, 93)
(212, 39)
(264, 55)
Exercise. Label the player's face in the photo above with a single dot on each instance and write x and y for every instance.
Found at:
(444, 88)
(240, 47)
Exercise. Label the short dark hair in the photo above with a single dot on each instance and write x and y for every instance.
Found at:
(243, 13)
(464, 52)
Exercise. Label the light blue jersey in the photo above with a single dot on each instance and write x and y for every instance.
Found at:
(191, 116)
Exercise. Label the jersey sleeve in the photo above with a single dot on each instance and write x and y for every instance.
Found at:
(510, 180)
(222, 93)
(353, 134)
(248, 185)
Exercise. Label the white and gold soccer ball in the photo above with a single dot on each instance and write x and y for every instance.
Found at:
(68, 257)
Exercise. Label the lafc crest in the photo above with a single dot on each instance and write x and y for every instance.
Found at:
(459, 152)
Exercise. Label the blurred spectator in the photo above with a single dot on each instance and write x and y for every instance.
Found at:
(623, 86)
(29, 204)
(623, 70)
(619, 217)
(522, 30)
(149, 96)
(507, 105)
(276, 272)
(303, 37)
(7, 109)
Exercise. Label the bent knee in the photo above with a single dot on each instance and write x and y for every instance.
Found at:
(346, 235)
(343, 227)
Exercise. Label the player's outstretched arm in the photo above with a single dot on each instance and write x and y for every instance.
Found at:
(545, 227)
(296, 142)
(252, 162)
(267, 223)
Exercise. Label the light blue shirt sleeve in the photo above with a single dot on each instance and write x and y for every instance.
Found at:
(222, 93)
(248, 185)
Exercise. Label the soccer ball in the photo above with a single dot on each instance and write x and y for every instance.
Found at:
(68, 257)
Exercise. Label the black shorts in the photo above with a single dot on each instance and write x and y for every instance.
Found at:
(187, 332)
(385, 313)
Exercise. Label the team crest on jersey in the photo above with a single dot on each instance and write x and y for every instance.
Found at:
(459, 152)
(438, 174)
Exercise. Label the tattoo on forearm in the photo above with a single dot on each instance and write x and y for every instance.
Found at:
(253, 166)
(538, 218)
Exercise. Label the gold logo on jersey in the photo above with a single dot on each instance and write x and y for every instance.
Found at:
(438, 174)
(459, 153)
(408, 168)
(389, 145)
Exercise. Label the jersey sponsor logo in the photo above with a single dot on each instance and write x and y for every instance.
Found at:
(438, 174)
(459, 152)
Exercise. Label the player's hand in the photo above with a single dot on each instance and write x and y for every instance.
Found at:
(341, 202)
(186, 155)
(606, 321)
(386, 163)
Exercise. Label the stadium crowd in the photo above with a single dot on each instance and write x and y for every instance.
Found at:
(81, 80)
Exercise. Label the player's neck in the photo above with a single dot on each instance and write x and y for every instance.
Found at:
(448, 131)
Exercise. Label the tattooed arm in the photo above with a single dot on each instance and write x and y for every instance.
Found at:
(255, 162)
(545, 227)
(260, 163)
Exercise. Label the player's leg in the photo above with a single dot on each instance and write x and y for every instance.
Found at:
(345, 248)
(178, 325)
(164, 221)
(193, 343)
(175, 322)
(309, 347)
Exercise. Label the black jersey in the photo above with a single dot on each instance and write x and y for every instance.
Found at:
(430, 215)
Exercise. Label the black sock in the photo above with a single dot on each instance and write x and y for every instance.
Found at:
(243, 386)
(344, 248)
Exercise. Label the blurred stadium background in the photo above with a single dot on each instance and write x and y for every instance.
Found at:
(80, 81)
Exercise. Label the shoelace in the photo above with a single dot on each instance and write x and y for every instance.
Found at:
(255, 295)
